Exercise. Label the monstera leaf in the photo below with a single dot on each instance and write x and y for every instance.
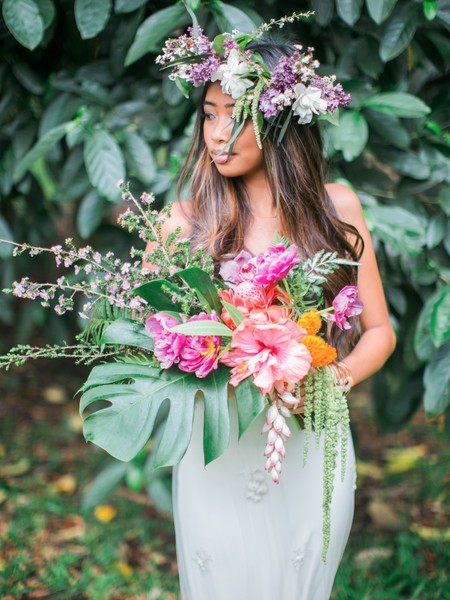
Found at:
(135, 394)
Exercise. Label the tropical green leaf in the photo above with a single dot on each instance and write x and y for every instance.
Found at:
(389, 128)
(438, 225)
(24, 21)
(47, 10)
(153, 292)
(22, 141)
(349, 10)
(440, 318)
(103, 485)
(330, 117)
(193, 4)
(43, 176)
(438, 163)
(380, 10)
(367, 58)
(30, 80)
(323, 11)
(160, 493)
(203, 327)
(397, 227)
(115, 373)
(437, 382)
(155, 29)
(249, 403)
(136, 394)
(126, 6)
(444, 200)
(399, 31)
(423, 344)
(104, 163)
(230, 17)
(399, 104)
(201, 283)
(234, 313)
(6, 171)
(184, 86)
(89, 214)
(124, 427)
(91, 17)
(430, 9)
(405, 163)
(216, 432)
(352, 134)
(41, 148)
(139, 157)
(443, 12)
(126, 332)
(5, 234)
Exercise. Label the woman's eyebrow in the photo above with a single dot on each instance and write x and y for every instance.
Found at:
(210, 103)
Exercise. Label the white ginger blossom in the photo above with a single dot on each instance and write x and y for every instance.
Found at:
(308, 103)
(230, 76)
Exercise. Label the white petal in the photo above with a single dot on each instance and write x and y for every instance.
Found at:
(272, 414)
(278, 424)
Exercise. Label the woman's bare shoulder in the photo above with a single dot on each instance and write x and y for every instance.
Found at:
(346, 203)
(180, 217)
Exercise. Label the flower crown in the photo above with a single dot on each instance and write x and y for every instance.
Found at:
(259, 93)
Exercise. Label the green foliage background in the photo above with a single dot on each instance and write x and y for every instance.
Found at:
(82, 105)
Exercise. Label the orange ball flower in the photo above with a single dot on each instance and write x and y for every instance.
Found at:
(322, 354)
(310, 321)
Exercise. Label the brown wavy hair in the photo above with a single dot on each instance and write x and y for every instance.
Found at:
(296, 173)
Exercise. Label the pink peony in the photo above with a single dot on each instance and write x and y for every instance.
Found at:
(346, 304)
(200, 353)
(274, 264)
(167, 344)
(269, 349)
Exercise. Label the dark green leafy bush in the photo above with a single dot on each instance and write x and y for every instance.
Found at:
(82, 105)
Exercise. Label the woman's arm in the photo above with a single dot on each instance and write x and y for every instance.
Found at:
(377, 341)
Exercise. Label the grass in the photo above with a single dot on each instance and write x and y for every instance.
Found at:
(49, 548)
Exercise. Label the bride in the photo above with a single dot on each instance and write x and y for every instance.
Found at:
(239, 536)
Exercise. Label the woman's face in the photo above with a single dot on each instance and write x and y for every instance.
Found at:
(246, 160)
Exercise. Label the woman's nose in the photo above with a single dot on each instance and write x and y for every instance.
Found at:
(222, 130)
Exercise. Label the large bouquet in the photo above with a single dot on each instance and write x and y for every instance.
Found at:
(184, 329)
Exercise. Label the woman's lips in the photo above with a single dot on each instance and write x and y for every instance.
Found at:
(221, 157)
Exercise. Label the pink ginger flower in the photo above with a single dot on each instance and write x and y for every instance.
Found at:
(167, 344)
(274, 264)
(269, 350)
(200, 353)
(346, 304)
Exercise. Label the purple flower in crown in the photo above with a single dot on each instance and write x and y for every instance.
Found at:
(346, 304)
(228, 45)
(284, 76)
(274, 264)
(203, 71)
(274, 97)
(267, 106)
(333, 95)
(167, 344)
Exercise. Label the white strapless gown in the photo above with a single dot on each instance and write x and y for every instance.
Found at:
(239, 536)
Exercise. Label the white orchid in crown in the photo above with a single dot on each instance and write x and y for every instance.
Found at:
(308, 103)
(230, 74)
